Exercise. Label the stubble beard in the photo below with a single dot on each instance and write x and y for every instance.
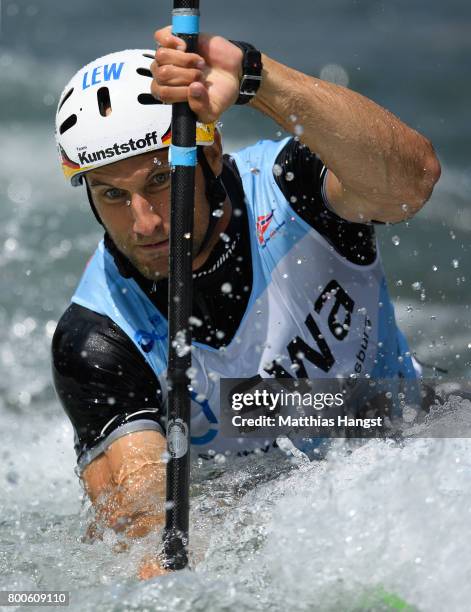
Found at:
(161, 263)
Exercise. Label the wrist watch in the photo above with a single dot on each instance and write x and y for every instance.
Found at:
(251, 72)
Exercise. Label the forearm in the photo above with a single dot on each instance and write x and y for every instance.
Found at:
(127, 487)
(372, 153)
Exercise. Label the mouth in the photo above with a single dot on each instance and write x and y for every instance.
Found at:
(155, 246)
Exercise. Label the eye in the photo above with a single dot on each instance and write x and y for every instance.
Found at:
(160, 179)
(113, 194)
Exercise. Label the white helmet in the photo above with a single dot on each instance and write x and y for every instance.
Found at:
(106, 113)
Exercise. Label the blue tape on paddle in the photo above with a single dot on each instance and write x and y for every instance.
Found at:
(182, 156)
(185, 24)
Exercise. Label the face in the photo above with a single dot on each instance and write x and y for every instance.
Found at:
(132, 198)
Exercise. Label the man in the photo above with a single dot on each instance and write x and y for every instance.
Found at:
(287, 278)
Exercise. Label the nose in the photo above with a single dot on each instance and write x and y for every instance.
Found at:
(146, 220)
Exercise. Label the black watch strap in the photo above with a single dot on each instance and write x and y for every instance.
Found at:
(251, 72)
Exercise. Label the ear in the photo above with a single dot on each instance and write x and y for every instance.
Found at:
(214, 154)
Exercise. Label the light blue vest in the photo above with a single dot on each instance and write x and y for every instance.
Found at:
(311, 312)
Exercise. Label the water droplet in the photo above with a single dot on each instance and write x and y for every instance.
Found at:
(224, 237)
(218, 213)
(285, 276)
(219, 459)
(50, 328)
(399, 283)
(24, 398)
(396, 240)
(187, 236)
(455, 263)
(226, 288)
(48, 99)
(195, 321)
(293, 199)
(405, 208)
(191, 373)
(417, 286)
(180, 345)
(277, 170)
(289, 176)
(298, 130)
(111, 401)
(334, 73)
(10, 245)
(434, 268)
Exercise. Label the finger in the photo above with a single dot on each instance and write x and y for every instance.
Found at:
(198, 99)
(169, 95)
(175, 77)
(165, 38)
(164, 57)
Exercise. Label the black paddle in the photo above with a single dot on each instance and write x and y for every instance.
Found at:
(185, 25)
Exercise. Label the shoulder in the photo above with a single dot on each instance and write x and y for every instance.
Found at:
(253, 158)
(301, 176)
(81, 329)
(85, 344)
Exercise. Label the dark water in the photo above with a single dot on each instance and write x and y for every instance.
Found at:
(413, 58)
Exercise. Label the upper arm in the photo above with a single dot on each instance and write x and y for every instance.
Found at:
(309, 198)
(104, 383)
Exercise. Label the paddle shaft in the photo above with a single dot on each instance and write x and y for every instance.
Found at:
(183, 159)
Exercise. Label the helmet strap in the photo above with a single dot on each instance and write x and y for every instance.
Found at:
(90, 200)
(215, 194)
